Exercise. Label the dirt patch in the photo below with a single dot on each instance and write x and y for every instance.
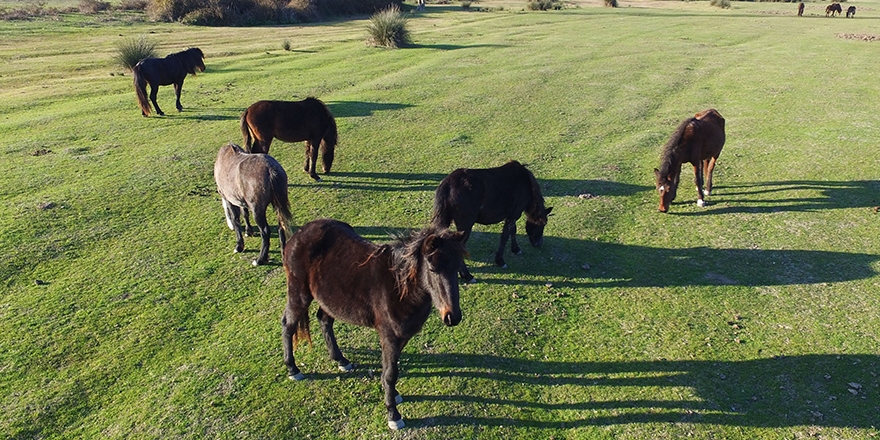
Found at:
(863, 37)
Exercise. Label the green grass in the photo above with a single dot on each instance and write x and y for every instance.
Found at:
(745, 319)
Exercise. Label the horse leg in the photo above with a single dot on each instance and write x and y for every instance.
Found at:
(330, 339)
(514, 247)
(391, 347)
(312, 158)
(295, 316)
(249, 230)
(177, 88)
(708, 169)
(505, 234)
(327, 154)
(263, 225)
(154, 90)
(698, 180)
(463, 271)
(233, 220)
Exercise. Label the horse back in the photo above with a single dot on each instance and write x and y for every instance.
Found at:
(710, 133)
(289, 121)
(247, 179)
(347, 275)
(486, 195)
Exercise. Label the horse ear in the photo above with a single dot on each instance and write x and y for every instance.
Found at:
(458, 236)
(656, 172)
(432, 243)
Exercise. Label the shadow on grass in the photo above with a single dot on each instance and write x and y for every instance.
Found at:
(347, 109)
(784, 196)
(617, 265)
(822, 390)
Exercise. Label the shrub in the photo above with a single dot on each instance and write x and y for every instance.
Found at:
(724, 4)
(388, 28)
(465, 4)
(132, 50)
(132, 5)
(27, 11)
(285, 44)
(92, 6)
(544, 5)
(315, 10)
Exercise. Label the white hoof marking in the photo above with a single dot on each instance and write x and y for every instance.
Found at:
(505, 266)
(255, 263)
(707, 193)
(398, 399)
(297, 376)
(346, 368)
(395, 425)
(701, 203)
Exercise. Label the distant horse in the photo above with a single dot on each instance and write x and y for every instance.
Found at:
(832, 8)
(252, 182)
(162, 72)
(801, 9)
(389, 288)
(488, 196)
(851, 12)
(697, 140)
(292, 121)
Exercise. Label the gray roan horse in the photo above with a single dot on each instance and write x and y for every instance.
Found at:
(252, 182)
(387, 287)
(697, 140)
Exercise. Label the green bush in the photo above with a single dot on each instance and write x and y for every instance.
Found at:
(725, 4)
(92, 6)
(544, 5)
(465, 4)
(132, 50)
(257, 12)
(388, 28)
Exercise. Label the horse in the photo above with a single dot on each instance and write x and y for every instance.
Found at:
(162, 72)
(851, 12)
(697, 140)
(832, 8)
(308, 120)
(252, 182)
(801, 9)
(387, 287)
(489, 196)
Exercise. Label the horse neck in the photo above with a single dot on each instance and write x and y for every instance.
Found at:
(670, 159)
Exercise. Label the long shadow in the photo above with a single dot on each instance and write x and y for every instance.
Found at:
(380, 181)
(784, 391)
(793, 196)
(347, 109)
(452, 46)
(618, 265)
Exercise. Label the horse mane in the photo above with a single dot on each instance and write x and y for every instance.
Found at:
(406, 255)
(189, 58)
(667, 156)
(537, 204)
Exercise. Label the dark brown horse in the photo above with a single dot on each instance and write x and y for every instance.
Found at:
(162, 72)
(389, 288)
(489, 196)
(308, 120)
(801, 9)
(697, 140)
(832, 8)
(252, 182)
(851, 12)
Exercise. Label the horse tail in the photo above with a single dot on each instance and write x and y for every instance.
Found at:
(246, 131)
(140, 88)
(301, 332)
(442, 213)
(281, 203)
(329, 141)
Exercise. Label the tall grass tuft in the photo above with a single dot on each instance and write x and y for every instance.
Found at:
(134, 49)
(388, 28)
(544, 5)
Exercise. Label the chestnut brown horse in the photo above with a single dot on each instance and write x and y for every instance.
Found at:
(252, 182)
(308, 120)
(833, 8)
(801, 9)
(162, 72)
(488, 196)
(697, 140)
(389, 288)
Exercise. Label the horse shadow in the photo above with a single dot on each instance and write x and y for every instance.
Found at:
(793, 196)
(347, 109)
(392, 182)
(589, 188)
(784, 391)
(452, 46)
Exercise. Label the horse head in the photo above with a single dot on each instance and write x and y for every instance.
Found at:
(443, 253)
(666, 187)
(535, 223)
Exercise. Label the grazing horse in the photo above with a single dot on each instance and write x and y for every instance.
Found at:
(252, 182)
(801, 9)
(162, 72)
(851, 12)
(697, 140)
(308, 120)
(832, 8)
(489, 196)
(386, 287)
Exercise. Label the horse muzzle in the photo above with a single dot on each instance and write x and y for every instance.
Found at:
(452, 318)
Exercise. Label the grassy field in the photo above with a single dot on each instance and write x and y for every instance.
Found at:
(125, 314)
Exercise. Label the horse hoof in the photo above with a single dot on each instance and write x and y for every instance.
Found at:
(707, 193)
(504, 266)
(346, 368)
(398, 399)
(701, 203)
(297, 377)
(396, 424)
(472, 281)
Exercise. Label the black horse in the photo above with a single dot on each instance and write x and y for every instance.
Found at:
(389, 288)
(851, 12)
(489, 196)
(162, 72)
